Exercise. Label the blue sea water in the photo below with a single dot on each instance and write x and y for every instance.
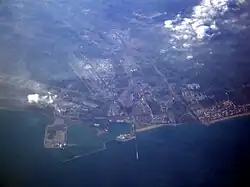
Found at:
(183, 156)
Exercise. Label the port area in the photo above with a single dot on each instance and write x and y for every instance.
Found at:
(130, 136)
(125, 137)
(56, 134)
(76, 139)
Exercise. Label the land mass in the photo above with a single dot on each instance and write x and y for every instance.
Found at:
(56, 134)
(129, 70)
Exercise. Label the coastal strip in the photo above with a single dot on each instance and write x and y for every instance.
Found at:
(151, 127)
(11, 109)
(20, 106)
(229, 117)
(12, 104)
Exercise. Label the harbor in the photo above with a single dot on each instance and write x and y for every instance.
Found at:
(125, 137)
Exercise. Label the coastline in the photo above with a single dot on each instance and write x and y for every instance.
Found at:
(151, 127)
(26, 109)
(229, 117)
(21, 107)
(10, 109)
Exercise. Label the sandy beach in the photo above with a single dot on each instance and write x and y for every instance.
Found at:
(151, 127)
(229, 117)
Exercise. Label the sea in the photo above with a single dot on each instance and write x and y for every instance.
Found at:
(184, 156)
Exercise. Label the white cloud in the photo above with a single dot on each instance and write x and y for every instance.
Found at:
(33, 98)
(168, 24)
(189, 57)
(200, 23)
(188, 34)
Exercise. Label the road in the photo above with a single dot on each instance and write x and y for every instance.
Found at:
(175, 95)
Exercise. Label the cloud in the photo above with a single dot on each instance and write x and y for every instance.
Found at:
(201, 23)
(33, 98)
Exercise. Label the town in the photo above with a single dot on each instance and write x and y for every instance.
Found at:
(134, 99)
